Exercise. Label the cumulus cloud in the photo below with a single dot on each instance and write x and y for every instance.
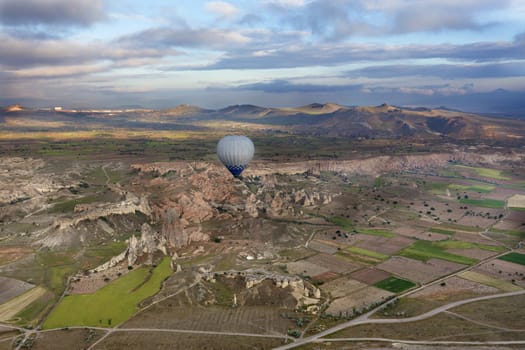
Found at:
(173, 37)
(51, 12)
(291, 56)
(341, 19)
(21, 54)
(222, 8)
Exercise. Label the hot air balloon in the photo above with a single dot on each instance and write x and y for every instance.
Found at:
(235, 152)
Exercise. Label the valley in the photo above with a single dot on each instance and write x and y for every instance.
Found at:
(353, 226)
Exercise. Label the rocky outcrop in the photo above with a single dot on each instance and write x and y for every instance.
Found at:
(148, 243)
(20, 181)
(303, 293)
(252, 205)
(130, 205)
(177, 232)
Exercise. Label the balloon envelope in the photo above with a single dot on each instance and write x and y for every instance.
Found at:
(235, 152)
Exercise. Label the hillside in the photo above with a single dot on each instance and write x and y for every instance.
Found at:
(330, 119)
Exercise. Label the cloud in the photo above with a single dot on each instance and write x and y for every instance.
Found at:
(286, 3)
(51, 12)
(48, 72)
(222, 8)
(284, 86)
(443, 71)
(22, 54)
(338, 20)
(172, 37)
(436, 15)
(291, 56)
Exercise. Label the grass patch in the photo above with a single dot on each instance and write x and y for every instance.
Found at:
(97, 255)
(367, 252)
(515, 233)
(486, 203)
(450, 244)
(58, 266)
(441, 187)
(458, 227)
(342, 222)
(394, 284)
(473, 188)
(375, 232)
(425, 250)
(514, 258)
(228, 262)
(113, 304)
(485, 172)
(69, 206)
(36, 310)
(442, 231)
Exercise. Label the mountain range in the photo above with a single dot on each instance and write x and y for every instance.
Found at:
(327, 119)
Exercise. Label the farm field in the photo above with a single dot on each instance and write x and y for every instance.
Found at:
(424, 250)
(358, 300)
(504, 271)
(517, 258)
(489, 281)
(164, 340)
(451, 328)
(484, 172)
(366, 252)
(517, 201)
(66, 339)
(387, 245)
(10, 288)
(14, 306)
(370, 275)
(333, 263)
(112, 304)
(208, 307)
(485, 203)
(11, 254)
(394, 284)
(342, 286)
(500, 312)
(419, 271)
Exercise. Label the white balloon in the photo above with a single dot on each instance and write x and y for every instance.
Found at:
(235, 152)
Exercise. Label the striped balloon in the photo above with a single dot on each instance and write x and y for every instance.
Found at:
(235, 152)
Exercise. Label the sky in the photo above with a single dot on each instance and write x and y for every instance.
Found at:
(467, 54)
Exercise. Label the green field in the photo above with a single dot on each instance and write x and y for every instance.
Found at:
(441, 188)
(450, 244)
(442, 231)
(485, 172)
(367, 252)
(514, 257)
(375, 232)
(486, 203)
(342, 222)
(425, 250)
(112, 304)
(394, 284)
(473, 188)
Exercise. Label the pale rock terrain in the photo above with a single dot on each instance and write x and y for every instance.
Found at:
(304, 294)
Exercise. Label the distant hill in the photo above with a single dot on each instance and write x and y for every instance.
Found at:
(328, 119)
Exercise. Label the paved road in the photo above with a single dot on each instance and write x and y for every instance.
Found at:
(364, 319)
